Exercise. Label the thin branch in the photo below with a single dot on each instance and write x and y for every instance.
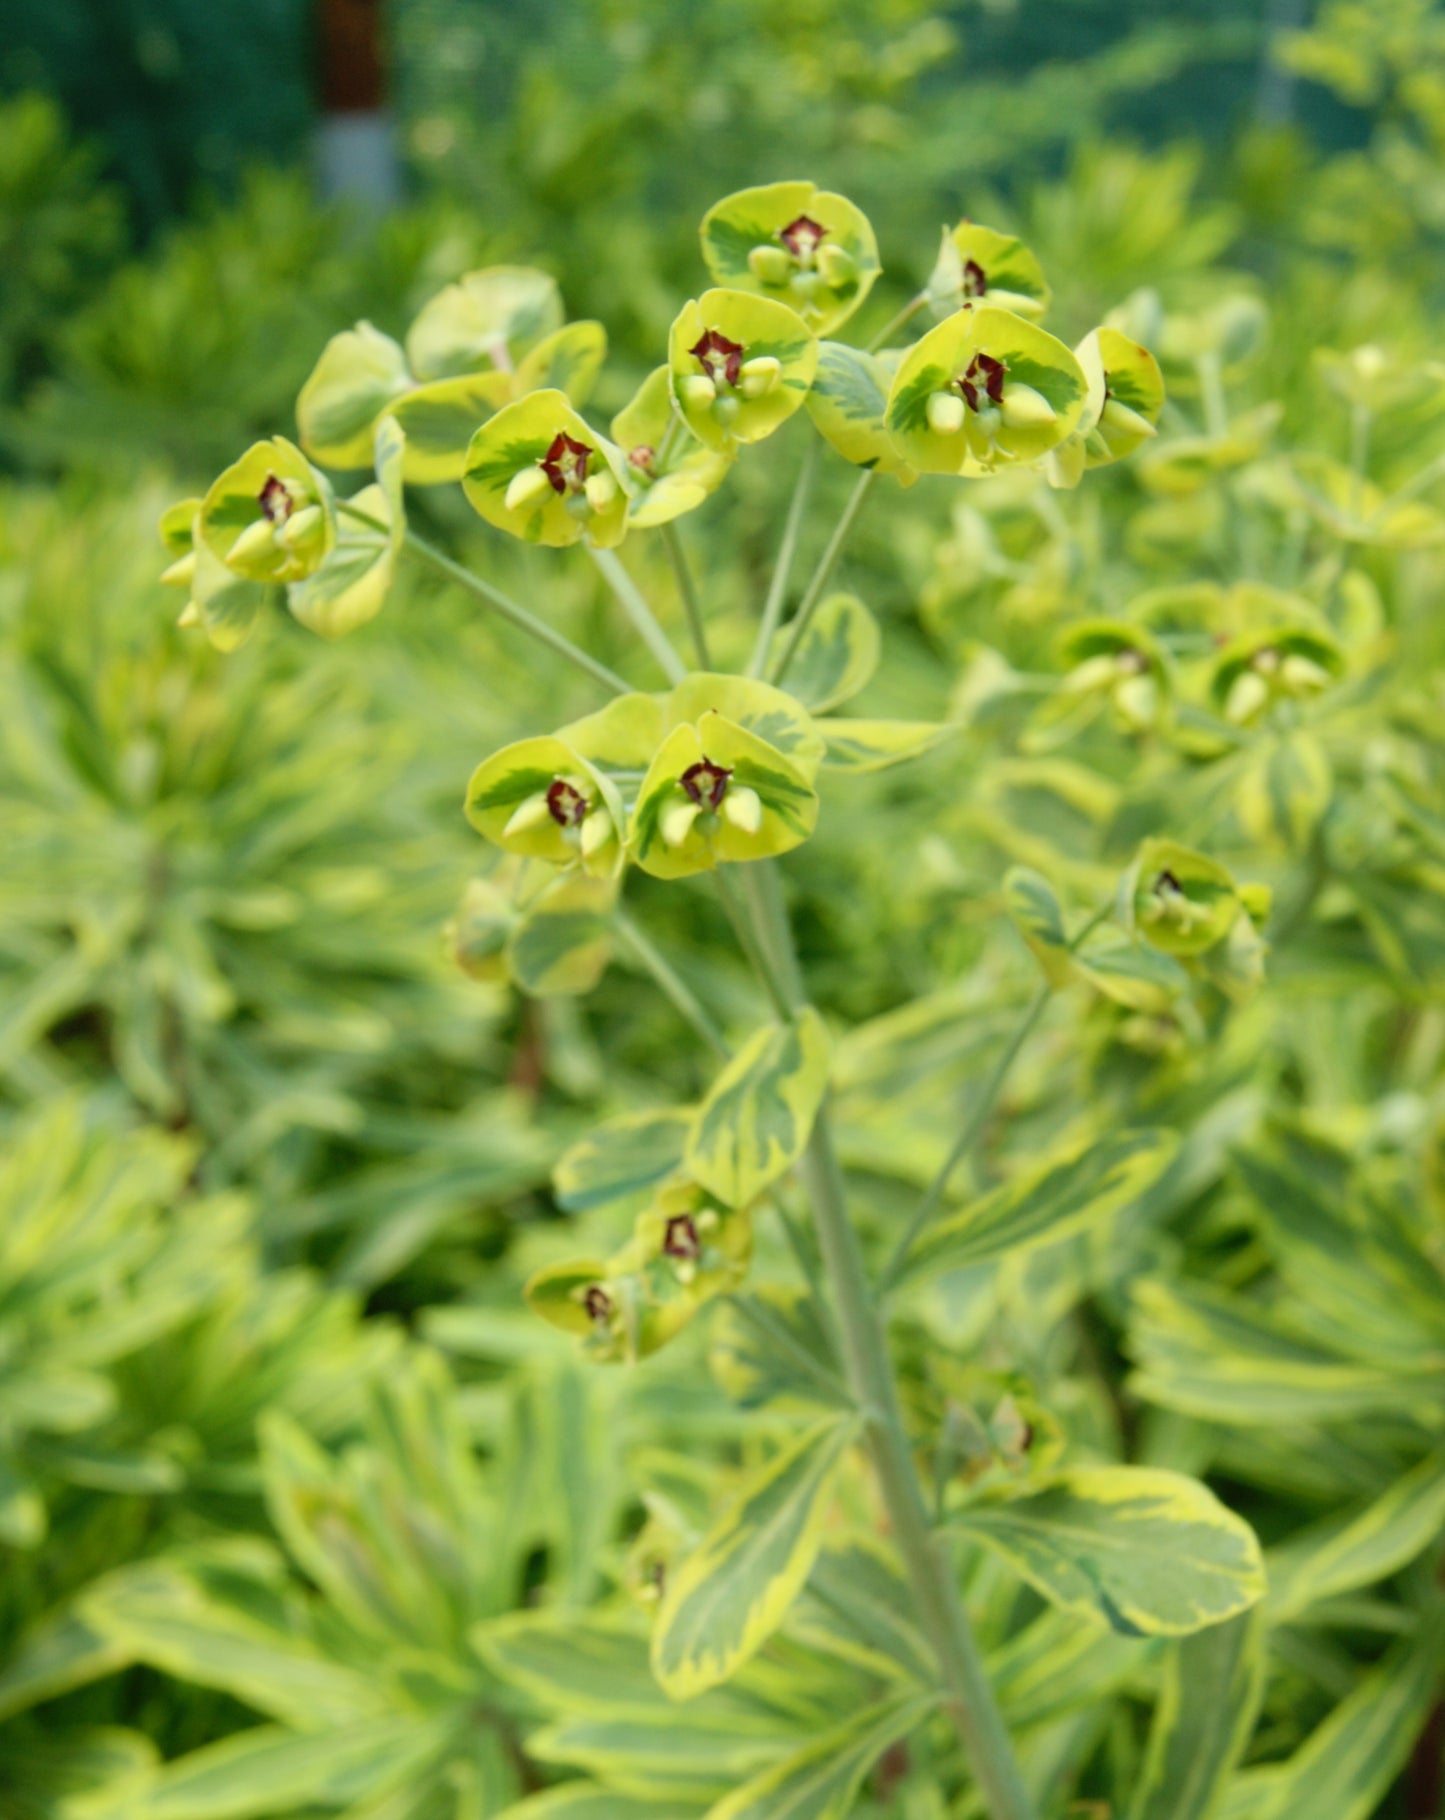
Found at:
(824, 569)
(783, 567)
(671, 983)
(629, 597)
(687, 588)
(502, 603)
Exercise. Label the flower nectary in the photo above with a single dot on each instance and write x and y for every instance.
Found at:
(565, 463)
(598, 1304)
(706, 783)
(975, 279)
(802, 236)
(681, 1240)
(983, 376)
(565, 803)
(275, 500)
(720, 358)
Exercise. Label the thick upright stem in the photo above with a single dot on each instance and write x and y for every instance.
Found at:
(869, 1370)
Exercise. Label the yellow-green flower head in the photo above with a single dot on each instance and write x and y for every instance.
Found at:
(686, 1249)
(487, 319)
(441, 416)
(541, 799)
(672, 472)
(1115, 661)
(270, 516)
(1273, 664)
(538, 470)
(740, 366)
(360, 372)
(716, 792)
(795, 244)
(983, 390)
(980, 265)
(223, 603)
(1126, 395)
(1180, 901)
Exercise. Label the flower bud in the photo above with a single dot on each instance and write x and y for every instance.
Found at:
(1137, 699)
(596, 832)
(182, 572)
(743, 808)
(726, 409)
(1025, 409)
(294, 531)
(837, 265)
(697, 391)
(1124, 420)
(527, 487)
(675, 822)
(601, 489)
(945, 413)
(1099, 672)
(1065, 464)
(191, 615)
(1248, 694)
(769, 264)
(254, 545)
(1302, 675)
(756, 378)
(531, 812)
(804, 285)
(578, 506)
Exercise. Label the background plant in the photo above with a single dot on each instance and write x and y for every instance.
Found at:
(1262, 1316)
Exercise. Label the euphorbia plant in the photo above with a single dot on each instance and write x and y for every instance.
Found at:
(715, 779)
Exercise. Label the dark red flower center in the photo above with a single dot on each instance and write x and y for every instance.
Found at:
(706, 783)
(975, 279)
(801, 236)
(718, 357)
(565, 804)
(275, 500)
(680, 1240)
(984, 378)
(642, 457)
(1165, 882)
(565, 463)
(598, 1304)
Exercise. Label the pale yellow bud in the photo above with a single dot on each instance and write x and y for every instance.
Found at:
(1247, 695)
(601, 489)
(1025, 409)
(528, 487)
(299, 526)
(675, 822)
(756, 378)
(837, 265)
(945, 413)
(1124, 420)
(182, 572)
(743, 808)
(530, 813)
(696, 391)
(256, 544)
(596, 832)
(770, 264)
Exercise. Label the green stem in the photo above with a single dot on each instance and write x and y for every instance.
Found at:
(1361, 419)
(629, 597)
(782, 568)
(671, 983)
(940, 1610)
(504, 604)
(691, 606)
(824, 569)
(891, 327)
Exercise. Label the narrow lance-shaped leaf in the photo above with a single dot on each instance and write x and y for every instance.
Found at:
(1039, 918)
(877, 745)
(1153, 1552)
(821, 1782)
(757, 1120)
(737, 1586)
(1208, 1702)
(837, 655)
(1043, 1206)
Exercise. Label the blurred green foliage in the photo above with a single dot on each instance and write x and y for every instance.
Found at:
(269, 1161)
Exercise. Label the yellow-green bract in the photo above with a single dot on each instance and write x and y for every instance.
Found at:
(977, 264)
(672, 471)
(847, 402)
(353, 582)
(489, 318)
